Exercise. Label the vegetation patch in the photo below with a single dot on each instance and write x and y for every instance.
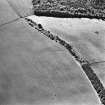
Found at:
(70, 8)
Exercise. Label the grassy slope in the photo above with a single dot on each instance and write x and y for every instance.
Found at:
(23, 10)
(85, 34)
(5, 13)
(31, 64)
(32, 69)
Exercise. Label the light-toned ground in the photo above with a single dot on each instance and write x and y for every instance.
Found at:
(6, 13)
(87, 35)
(37, 71)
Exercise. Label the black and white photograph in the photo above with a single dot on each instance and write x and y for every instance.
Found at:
(52, 52)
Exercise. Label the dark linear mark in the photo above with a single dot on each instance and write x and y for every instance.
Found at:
(65, 14)
(97, 62)
(14, 20)
(93, 78)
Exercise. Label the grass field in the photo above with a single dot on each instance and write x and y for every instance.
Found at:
(85, 34)
(35, 70)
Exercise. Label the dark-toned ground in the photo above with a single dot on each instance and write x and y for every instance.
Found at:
(70, 8)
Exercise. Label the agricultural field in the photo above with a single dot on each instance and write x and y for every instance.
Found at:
(35, 70)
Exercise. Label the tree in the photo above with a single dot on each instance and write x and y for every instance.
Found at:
(97, 3)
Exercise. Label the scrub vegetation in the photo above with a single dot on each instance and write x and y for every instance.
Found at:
(71, 8)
